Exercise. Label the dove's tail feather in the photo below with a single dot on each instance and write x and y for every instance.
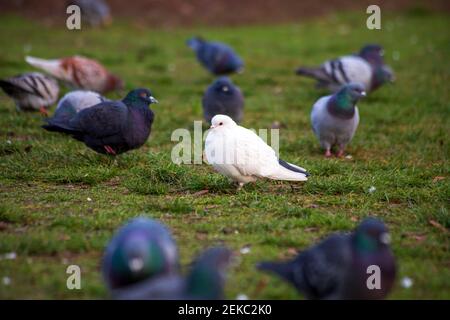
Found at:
(52, 67)
(316, 73)
(289, 172)
(282, 269)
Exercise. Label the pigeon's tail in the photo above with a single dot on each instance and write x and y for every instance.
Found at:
(8, 87)
(58, 125)
(289, 172)
(282, 269)
(52, 67)
(316, 73)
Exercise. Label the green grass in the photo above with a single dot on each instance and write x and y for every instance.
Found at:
(401, 146)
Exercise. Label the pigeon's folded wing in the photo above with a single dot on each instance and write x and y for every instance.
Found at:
(102, 120)
(324, 267)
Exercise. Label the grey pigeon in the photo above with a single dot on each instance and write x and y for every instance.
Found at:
(111, 127)
(223, 97)
(217, 57)
(337, 267)
(335, 118)
(94, 12)
(31, 91)
(140, 250)
(367, 68)
(73, 102)
(205, 281)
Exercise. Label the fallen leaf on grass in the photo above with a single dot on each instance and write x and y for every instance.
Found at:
(438, 225)
(200, 193)
(438, 178)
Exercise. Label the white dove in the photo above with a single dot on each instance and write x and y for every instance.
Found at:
(243, 156)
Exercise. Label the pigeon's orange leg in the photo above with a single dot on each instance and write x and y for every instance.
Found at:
(340, 153)
(328, 153)
(110, 150)
(43, 111)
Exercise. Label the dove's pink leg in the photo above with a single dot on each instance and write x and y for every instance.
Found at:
(340, 153)
(109, 150)
(327, 153)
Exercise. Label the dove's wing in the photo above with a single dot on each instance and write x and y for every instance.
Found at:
(253, 156)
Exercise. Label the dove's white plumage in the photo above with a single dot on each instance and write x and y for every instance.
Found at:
(243, 156)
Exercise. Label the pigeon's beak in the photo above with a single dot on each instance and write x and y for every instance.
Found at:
(225, 89)
(212, 127)
(153, 100)
(385, 238)
(363, 94)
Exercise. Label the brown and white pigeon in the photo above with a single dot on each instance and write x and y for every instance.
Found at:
(80, 72)
(31, 91)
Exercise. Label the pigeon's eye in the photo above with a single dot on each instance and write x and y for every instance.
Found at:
(143, 95)
(220, 123)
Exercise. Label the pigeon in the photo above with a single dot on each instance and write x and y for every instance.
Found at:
(140, 250)
(367, 68)
(94, 12)
(335, 118)
(205, 281)
(73, 102)
(31, 91)
(111, 127)
(337, 267)
(223, 97)
(217, 57)
(79, 72)
(243, 156)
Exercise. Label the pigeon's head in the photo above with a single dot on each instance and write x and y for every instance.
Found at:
(195, 42)
(223, 85)
(371, 52)
(371, 235)
(140, 96)
(221, 121)
(208, 273)
(140, 250)
(351, 93)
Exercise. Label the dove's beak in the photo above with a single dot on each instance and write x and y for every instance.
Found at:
(212, 127)
(363, 94)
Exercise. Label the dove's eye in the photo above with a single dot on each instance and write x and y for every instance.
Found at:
(220, 123)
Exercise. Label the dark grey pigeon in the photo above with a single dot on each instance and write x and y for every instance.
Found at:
(337, 268)
(223, 97)
(217, 57)
(205, 281)
(111, 127)
(366, 67)
(94, 12)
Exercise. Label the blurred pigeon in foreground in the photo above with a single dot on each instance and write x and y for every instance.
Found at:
(111, 127)
(140, 250)
(94, 12)
(367, 68)
(243, 156)
(73, 102)
(31, 91)
(223, 97)
(205, 281)
(79, 72)
(337, 267)
(335, 118)
(217, 57)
